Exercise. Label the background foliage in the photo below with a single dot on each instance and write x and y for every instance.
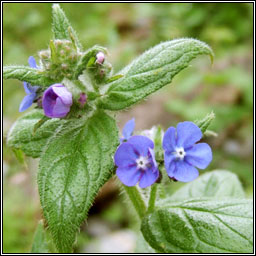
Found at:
(127, 30)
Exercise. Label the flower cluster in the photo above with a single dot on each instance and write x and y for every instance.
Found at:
(56, 100)
(135, 159)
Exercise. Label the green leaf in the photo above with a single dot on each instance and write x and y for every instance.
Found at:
(201, 226)
(72, 169)
(114, 78)
(24, 73)
(23, 135)
(142, 246)
(40, 244)
(19, 155)
(61, 26)
(151, 71)
(204, 123)
(217, 184)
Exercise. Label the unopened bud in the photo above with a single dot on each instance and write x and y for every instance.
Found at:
(100, 57)
(82, 100)
(57, 101)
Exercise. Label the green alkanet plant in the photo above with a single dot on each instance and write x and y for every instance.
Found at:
(73, 131)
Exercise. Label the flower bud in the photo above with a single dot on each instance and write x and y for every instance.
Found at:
(82, 99)
(57, 101)
(100, 57)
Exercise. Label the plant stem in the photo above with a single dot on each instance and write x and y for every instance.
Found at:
(152, 198)
(137, 200)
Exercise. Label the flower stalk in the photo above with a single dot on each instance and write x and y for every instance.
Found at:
(137, 200)
(152, 198)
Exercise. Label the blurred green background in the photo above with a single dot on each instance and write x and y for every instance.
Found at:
(127, 29)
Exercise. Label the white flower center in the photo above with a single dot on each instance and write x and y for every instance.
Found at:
(179, 153)
(142, 162)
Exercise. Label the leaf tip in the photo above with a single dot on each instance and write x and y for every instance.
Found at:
(55, 7)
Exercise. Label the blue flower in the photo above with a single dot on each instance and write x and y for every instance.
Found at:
(136, 162)
(128, 130)
(182, 155)
(29, 89)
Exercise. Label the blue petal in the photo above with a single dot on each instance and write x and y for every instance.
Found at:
(129, 176)
(200, 155)
(152, 157)
(149, 177)
(128, 129)
(29, 88)
(169, 158)
(34, 88)
(26, 88)
(27, 102)
(141, 144)
(125, 155)
(169, 140)
(184, 172)
(32, 62)
(188, 134)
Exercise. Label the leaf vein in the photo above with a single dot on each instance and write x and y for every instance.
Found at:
(198, 237)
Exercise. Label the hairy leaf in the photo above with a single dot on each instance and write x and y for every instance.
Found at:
(61, 26)
(19, 155)
(201, 226)
(219, 183)
(142, 246)
(151, 71)
(24, 136)
(72, 170)
(28, 74)
(205, 122)
(40, 244)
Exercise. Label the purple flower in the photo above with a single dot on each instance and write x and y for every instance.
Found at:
(182, 155)
(100, 57)
(136, 162)
(128, 130)
(29, 89)
(57, 101)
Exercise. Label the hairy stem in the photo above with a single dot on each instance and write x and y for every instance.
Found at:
(137, 200)
(152, 198)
